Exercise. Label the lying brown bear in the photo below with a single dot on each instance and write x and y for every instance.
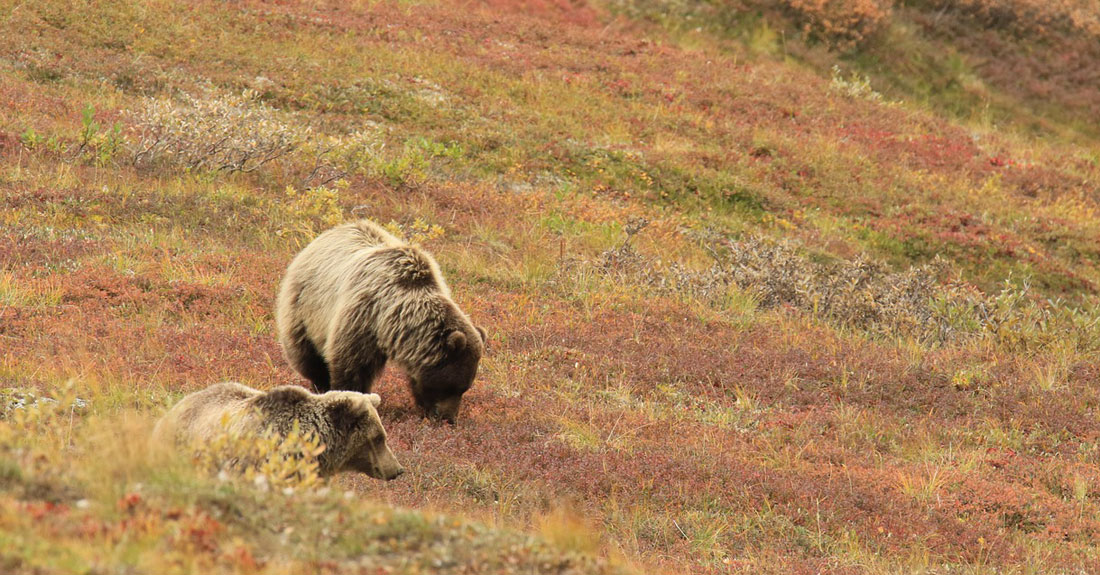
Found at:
(346, 423)
(357, 297)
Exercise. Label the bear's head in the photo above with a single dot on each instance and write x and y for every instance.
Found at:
(438, 388)
(358, 440)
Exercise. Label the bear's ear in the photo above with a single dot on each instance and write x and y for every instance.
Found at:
(344, 413)
(374, 399)
(456, 341)
(481, 332)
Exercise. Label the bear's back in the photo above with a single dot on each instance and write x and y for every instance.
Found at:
(371, 234)
(352, 237)
(358, 261)
(204, 414)
(334, 257)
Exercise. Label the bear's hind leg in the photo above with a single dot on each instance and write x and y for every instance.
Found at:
(306, 360)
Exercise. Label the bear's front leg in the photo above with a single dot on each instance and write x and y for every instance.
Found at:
(357, 374)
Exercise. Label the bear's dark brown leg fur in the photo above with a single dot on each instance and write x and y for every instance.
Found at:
(306, 360)
(357, 374)
(357, 361)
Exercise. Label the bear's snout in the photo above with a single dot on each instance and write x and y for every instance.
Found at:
(445, 410)
(383, 465)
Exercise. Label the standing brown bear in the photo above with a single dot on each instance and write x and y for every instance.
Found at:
(357, 297)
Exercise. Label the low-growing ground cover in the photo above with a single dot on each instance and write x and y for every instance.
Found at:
(746, 314)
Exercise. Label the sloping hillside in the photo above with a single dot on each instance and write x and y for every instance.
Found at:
(747, 313)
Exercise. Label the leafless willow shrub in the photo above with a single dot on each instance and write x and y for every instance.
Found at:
(215, 132)
(624, 263)
(624, 259)
(921, 302)
(859, 293)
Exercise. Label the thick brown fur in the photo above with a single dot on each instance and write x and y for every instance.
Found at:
(346, 422)
(357, 297)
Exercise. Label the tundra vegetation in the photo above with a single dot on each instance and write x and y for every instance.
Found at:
(772, 287)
